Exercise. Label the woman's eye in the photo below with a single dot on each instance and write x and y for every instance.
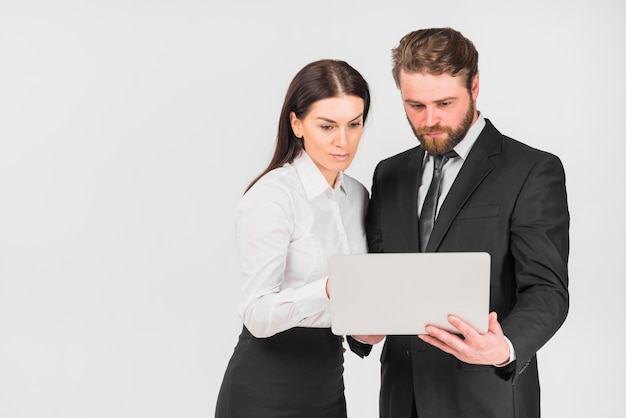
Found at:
(326, 127)
(355, 124)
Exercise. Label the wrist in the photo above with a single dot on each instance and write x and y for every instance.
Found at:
(508, 355)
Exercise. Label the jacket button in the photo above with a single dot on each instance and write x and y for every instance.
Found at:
(408, 353)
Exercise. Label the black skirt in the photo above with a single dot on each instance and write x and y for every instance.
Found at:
(296, 373)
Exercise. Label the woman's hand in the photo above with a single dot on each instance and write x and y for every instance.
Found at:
(369, 339)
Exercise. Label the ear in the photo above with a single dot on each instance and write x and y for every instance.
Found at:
(296, 125)
(475, 86)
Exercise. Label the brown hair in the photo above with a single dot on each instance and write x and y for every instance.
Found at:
(435, 51)
(315, 81)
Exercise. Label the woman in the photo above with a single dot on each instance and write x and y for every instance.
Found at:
(292, 217)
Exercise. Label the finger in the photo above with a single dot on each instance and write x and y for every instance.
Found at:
(464, 328)
(445, 337)
(369, 339)
(437, 343)
(494, 325)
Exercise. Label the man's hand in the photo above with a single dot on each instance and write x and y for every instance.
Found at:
(475, 348)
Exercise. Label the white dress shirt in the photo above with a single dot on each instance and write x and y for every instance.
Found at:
(288, 224)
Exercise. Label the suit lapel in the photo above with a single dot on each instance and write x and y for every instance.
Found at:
(477, 166)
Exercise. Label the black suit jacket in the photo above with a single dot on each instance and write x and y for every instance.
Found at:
(508, 200)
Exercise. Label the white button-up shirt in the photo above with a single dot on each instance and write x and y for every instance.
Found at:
(288, 224)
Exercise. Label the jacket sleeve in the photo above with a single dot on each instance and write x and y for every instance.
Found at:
(539, 243)
(359, 348)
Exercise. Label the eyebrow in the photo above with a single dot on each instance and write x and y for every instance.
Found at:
(332, 121)
(445, 99)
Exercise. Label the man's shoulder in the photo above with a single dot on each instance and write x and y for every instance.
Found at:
(513, 146)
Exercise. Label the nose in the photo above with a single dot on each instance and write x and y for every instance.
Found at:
(341, 138)
(432, 117)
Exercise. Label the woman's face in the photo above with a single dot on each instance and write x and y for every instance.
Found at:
(331, 132)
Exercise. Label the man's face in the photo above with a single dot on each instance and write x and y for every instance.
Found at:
(439, 108)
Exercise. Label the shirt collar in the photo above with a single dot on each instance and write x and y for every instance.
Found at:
(464, 147)
(313, 181)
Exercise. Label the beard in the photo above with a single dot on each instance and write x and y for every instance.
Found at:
(439, 146)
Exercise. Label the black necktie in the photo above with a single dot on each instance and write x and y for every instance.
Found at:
(429, 208)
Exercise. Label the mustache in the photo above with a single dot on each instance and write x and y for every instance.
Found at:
(431, 129)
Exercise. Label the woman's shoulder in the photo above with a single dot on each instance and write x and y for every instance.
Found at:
(353, 185)
(283, 177)
(278, 184)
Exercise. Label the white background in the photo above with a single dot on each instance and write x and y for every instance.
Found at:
(128, 130)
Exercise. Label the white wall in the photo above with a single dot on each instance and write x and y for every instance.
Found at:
(128, 129)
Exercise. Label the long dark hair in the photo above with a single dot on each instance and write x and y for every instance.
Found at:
(315, 81)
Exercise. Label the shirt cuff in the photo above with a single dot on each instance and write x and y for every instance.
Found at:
(311, 299)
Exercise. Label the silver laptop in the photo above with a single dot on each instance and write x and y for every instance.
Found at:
(400, 293)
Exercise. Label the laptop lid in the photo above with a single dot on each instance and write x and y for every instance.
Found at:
(400, 293)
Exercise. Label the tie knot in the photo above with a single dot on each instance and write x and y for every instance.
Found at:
(439, 159)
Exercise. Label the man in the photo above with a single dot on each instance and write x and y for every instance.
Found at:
(496, 195)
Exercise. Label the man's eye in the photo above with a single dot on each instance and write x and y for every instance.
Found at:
(444, 104)
(417, 106)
